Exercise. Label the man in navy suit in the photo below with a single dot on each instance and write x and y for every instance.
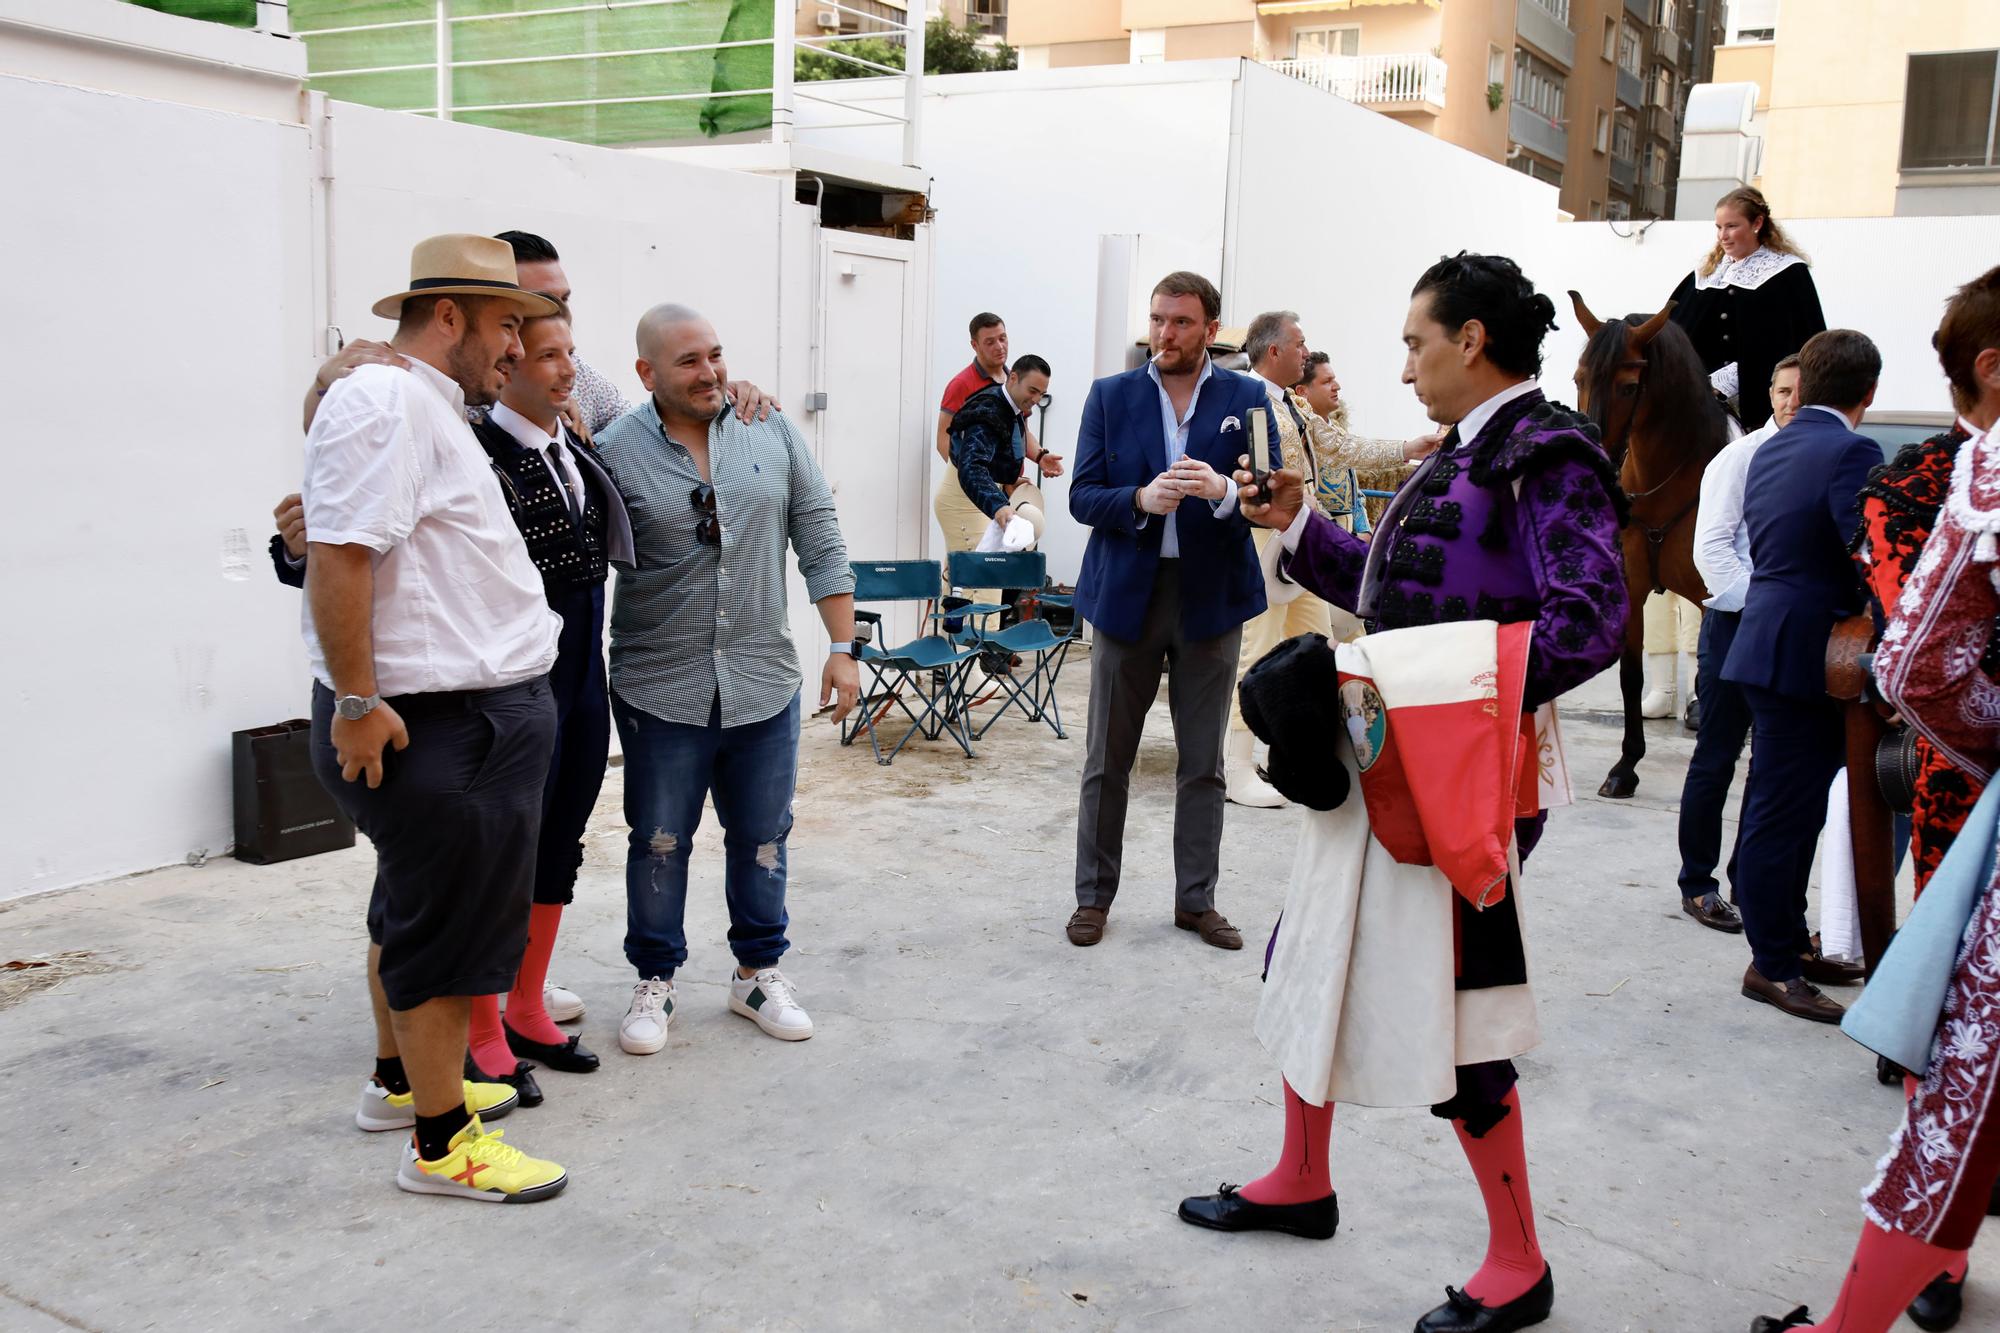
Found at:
(1801, 506)
(1168, 579)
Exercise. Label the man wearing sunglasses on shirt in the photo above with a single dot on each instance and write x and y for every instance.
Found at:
(705, 679)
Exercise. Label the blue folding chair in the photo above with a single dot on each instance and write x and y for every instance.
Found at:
(931, 670)
(1034, 696)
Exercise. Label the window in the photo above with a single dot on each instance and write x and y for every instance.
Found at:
(1663, 14)
(1617, 210)
(1623, 133)
(1538, 86)
(1948, 110)
(1597, 210)
(1496, 66)
(1611, 39)
(1756, 34)
(1660, 89)
(1546, 172)
(1310, 42)
(1629, 47)
(1602, 143)
(1654, 169)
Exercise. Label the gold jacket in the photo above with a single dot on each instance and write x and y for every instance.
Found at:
(1326, 452)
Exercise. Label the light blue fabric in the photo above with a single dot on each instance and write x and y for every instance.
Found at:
(1897, 1016)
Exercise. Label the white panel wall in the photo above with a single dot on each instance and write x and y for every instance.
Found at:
(160, 308)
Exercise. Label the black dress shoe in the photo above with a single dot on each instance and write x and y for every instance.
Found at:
(522, 1080)
(1230, 1211)
(1765, 1324)
(1939, 1305)
(1711, 911)
(1993, 1203)
(572, 1057)
(1460, 1313)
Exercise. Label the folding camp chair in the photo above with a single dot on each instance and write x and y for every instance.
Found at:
(930, 670)
(1034, 696)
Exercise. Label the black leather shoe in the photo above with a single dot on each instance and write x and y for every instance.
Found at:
(1711, 911)
(1993, 1204)
(1230, 1211)
(1826, 971)
(1939, 1305)
(522, 1080)
(572, 1057)
(1460, 1313)
(1765, 1324)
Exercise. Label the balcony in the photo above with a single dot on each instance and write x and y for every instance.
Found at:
(1658, 121)
(1537, 133)
(1384, 82)
(1642, 10)
(1666, 44)
(1544, 25)
(1631, 90)
(1624, 173)
(1651, 201)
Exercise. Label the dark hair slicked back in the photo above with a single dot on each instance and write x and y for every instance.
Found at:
(528, 247)
(1183, 283)
(1029, 364)
(1493, 290)
(1310, 371)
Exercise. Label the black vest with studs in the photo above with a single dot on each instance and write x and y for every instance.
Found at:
(569, 553)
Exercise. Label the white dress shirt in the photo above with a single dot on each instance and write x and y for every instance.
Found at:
(1176, 429)
(1721, 540)
(391, 465)
(569, 481)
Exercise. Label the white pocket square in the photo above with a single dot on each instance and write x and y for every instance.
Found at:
(1229, 424)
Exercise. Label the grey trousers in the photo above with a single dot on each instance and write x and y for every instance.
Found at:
(1124, 680)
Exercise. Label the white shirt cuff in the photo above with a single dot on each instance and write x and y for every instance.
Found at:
(1227, 504)
(1290, 536)
(1730, 598)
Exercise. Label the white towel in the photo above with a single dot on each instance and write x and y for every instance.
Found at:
(1018, 535)
(1839, 918)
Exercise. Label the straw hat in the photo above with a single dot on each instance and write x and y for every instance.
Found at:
(461, 265)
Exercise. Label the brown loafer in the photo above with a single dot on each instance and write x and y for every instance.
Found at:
(1086, 926)
(1831, 971)
(1711, 911)
(1797, 997)
(1212, 926)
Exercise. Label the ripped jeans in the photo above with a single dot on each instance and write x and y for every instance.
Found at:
(669, 768)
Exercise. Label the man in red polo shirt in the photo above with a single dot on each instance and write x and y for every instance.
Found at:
(961, 520)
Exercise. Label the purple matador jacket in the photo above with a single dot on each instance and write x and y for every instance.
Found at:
(1520, 523)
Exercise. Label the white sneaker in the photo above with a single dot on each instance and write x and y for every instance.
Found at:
(767, 1000)
(643, 1030)
(564, 1006)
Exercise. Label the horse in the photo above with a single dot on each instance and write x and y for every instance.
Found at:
(1641, 381)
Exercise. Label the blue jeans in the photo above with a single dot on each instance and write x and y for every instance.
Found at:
(669, 768)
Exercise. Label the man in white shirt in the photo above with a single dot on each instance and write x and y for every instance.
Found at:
(1722, 554)
(430, 641)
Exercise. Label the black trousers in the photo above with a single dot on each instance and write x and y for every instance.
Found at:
(583, 743)
(1725, 725)
(1799, 745)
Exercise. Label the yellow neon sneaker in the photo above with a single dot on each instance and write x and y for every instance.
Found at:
(382, 1109)
(480, 1166)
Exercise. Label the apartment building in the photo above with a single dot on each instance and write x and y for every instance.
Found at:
(825, 18)
(1868, 108)
(1584, 94)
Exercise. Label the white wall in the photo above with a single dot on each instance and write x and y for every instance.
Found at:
(174, 289)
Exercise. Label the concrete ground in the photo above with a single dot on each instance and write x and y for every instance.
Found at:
(990, 1131)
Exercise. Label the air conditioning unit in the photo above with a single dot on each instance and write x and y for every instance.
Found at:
(828, 19)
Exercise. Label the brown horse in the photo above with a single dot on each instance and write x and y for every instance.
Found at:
(1642, 383)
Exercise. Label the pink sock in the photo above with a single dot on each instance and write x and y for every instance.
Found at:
(1885, 1275)
(1303, 1173)
(526, 1013)
(1499, 1161)
(485, 1040)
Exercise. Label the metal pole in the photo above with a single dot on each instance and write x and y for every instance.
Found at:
(913, 83)
(784, 107)
(443, 12)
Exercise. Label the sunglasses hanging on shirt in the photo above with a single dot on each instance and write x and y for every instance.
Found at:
(707, 530)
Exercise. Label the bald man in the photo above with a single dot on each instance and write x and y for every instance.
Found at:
(705, 679)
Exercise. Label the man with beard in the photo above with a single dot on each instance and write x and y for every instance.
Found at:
(430, 641)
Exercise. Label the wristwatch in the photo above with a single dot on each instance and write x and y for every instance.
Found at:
(847, 649)
(354, 707)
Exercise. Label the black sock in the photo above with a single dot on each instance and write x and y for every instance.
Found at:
(389, 1073)
(434, 1132)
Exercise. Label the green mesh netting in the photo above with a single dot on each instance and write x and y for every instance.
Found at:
(236, 13)
(523, 31)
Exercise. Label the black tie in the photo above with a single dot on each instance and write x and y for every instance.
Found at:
(1450, 441)
(562, 475)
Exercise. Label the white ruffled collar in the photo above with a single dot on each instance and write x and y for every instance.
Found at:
(1974, 501)
(1748, 273)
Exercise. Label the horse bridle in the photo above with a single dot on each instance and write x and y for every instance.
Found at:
(1656, 537)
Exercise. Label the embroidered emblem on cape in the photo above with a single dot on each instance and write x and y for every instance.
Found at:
(1367, 721)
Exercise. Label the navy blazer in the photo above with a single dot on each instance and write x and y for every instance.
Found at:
(1801, 505)
(1121, 447)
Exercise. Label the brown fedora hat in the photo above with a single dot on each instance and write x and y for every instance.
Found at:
(463, 265)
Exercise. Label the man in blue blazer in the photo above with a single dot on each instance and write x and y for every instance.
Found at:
(1168, 579)
(1801, 505)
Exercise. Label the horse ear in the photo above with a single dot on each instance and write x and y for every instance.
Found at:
(1644, 333)
(1591, 323)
